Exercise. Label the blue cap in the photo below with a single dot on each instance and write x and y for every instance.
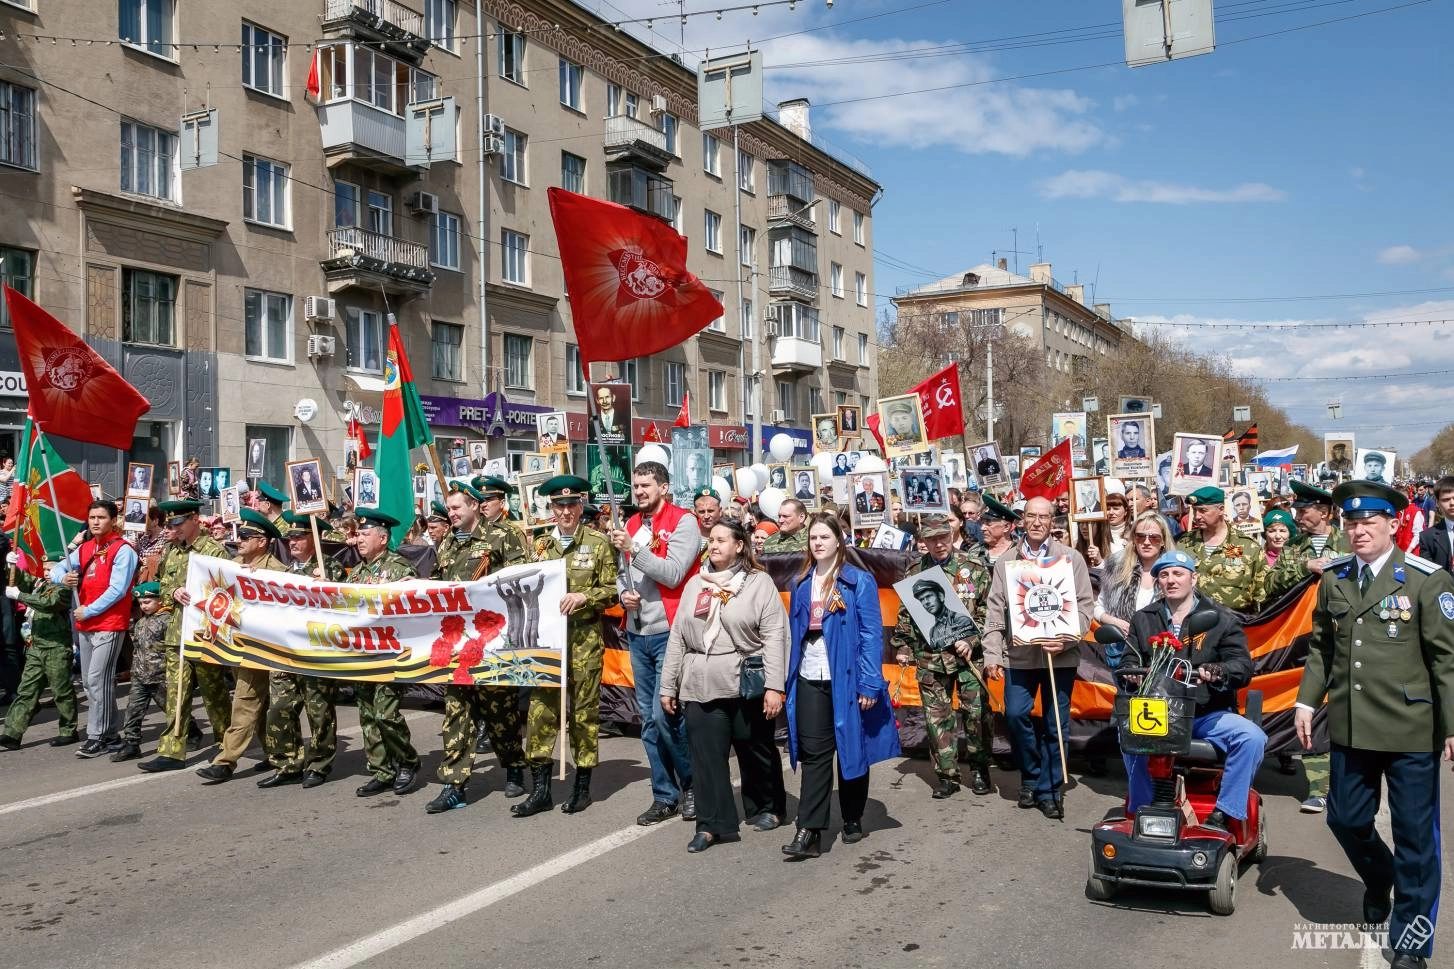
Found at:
(1364, 499)
(1175, 558)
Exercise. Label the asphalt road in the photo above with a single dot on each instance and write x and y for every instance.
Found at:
(104, 866)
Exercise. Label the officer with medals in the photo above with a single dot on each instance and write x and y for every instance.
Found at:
(590, 590)
(1382, 654)
(1231, 568)
(946, 661)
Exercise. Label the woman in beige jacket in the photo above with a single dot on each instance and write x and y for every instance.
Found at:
(731, 616)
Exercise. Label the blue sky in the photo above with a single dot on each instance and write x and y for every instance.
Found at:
(1308, 164)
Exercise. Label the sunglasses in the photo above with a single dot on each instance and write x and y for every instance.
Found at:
(1147, 537)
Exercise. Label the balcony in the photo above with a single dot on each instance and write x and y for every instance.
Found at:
(790, 353)
(399, 29)
(370, 260)
(640, 189)
(364, 135)
(628, 139)
(791, 189)
(790, 281)
(787, 210)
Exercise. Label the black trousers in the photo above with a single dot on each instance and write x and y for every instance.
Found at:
(716, 729)
(816, 749)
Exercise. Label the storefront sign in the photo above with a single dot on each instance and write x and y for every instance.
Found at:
(12, 384)
(728, 437)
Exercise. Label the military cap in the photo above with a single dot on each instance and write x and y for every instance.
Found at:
(373, 518)
(1207, 495)
(178, 508)
(255, 523)
(490, 486)
(271, 493)
(1174, 559)
(297, 524)
(437, 512)
(899, 406)
(566, 489)
(148, 590)
(706, 493)
(935, 526)
(1305, 495)
(465, 488)
(929, 584)
(996, 510)
(1364, 499)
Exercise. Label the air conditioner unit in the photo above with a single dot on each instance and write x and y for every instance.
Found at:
(424, 203)
(658, 104)
(771, 327)
(493, 145)
(321, 346)
(318, 308)
(494, 125)
(776, 416)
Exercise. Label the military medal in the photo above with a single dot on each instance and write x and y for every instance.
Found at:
(1392, 630)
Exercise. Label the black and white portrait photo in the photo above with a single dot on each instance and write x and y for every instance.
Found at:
(365, 488)
(937, 611)
(923, 491)
(1374, 465)
(305, 487)
(138, 480)
(136, 509)
(257, 458)
(611, 413)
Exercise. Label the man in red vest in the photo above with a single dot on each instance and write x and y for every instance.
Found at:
(661, 542)
(100, 573)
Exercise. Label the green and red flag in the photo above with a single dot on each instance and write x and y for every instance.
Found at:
(49, 503)
(402, 428)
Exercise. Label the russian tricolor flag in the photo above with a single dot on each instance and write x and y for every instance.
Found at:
(1273, 459)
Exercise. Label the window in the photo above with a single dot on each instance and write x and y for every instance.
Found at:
(717, 390)
(572, 173)
(446, 343)
(512, 159)
(378, 79)
(148, 308)
(148, 161)
(444, 240)
(720, 323)
(148, 24)
(575, 378)
(815, 400)
(858, 232)
(749, 314)
(711, 155)
(381, 213)
(785, 398)
(835, 277)
(439, 23)
(512, 57)
(17, 125)
(264, 191)
(860, 288)
(621, 102)
(863, 349)
(669, 128)
(572, 80)
(364, 331)
(347, 205)
(747, 239)
(838, 335)
(17, 270)
(262, 59)
(267, 325)
(746, 172)
(713, 231)
(676, 215)
(631, 373)
(518, 372)
(676, 382)
(834, 212)
(839, 397)
(515, 266)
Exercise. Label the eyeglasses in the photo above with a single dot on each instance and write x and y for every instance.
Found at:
(1148, 537)
(1037, 518)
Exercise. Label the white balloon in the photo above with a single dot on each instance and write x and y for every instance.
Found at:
(723, 489)
(781, 447)
(652, 452)
(823, 461)
(762, 478)
(746, 481)
(871, 462)
(770, 500)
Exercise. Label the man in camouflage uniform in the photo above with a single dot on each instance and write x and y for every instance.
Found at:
(47, 661)
(293, 694)
(946, 661)
(148, 665)
(187, 539)
(590, 589)
(1231, 568)
(436, 523)
(501, 705)
(792, 525)
(270, 502)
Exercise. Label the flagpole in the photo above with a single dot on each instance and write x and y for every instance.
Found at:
(55, 503)
(433, 451)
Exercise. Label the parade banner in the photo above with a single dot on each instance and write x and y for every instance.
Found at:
(502, 630)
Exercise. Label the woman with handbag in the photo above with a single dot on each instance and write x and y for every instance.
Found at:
(725, 662)
(838, 700)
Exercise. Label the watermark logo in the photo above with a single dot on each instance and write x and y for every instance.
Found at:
(1416, 935)
(1338, 935)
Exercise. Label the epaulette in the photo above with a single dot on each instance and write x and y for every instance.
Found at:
(1420, 564)
(1341, 563)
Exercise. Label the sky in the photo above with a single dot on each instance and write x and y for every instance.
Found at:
(1293, 179)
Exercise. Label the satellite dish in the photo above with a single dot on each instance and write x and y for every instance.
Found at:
(305, 410)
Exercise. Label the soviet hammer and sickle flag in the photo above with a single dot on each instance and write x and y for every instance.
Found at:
(74, 393)
(630, 292)
(939, 396)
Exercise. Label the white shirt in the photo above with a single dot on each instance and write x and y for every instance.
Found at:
(815, 648)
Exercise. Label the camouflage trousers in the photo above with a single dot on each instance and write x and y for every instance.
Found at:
(44, 665)
(138, 701)
(498, 708)
(943, 723)
(1316, 769)
(181, 678)
(385, 734)
(291, 696)
(542, 722)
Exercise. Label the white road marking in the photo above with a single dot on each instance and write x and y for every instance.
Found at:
(140, 778)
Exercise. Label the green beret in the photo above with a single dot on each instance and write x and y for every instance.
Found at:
(996, 510)
(492, 487)
(566, 489)
(465, 488)
(1207, 496)
(1305, 495)
(437, 512)
(1278, 516)
(271, 493)
(256, 523)
(372, 516)
(179, 506)
(148, 590)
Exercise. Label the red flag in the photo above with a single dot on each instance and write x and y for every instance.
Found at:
(871, 422)
(653, 435)
(1048, 477)
(356, 431)
(684, 418)
(630, 292)
(943, 411)
(314, 90)
(74, 393)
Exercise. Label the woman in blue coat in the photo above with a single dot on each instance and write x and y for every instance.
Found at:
(837, 698)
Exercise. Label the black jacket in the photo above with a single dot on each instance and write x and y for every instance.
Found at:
(1434, 546)
(1225, 643)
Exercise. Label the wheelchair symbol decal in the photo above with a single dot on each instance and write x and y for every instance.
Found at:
(1149, 717)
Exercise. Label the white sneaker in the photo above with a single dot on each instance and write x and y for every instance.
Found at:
(1315, 804)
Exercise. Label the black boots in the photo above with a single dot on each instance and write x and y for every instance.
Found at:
(514, 781)
(539, 799)
(580, 795)
(979, 781)
(805, 844)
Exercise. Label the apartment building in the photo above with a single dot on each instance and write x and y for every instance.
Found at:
(229, 199)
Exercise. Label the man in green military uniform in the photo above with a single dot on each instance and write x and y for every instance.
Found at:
(47, 661)
(271, 501)
(944, 662)
(506, 535)
(391, 756)
(1382, 655)
(590, 590)
(501, 705)
(792, 528)
(1231, 568)
(292, 695)
(187, 539)
(436, 523)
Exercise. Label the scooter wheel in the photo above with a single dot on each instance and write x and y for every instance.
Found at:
(1223, 897)
(1259, 850)
(1097, 889)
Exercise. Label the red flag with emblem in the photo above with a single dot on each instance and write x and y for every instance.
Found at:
(1048, 477)
(653, 435)
(74, 393)
(630, 292)
(943, 412)
(684, 417)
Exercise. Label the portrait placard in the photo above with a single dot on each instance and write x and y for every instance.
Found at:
(365, 488)
(803, 485)
(868, 491)
(611, 413)
(1133, 444)
(1071, 425)
(901, 422)
(1088, 499)
(305, 487)
(1375, 464)
(1243, 509)
(136, 509)
(989, 465)
(923, 491)
(850, 420)
(550, 432)
(138, 479)
(1338, 453)
(691, 470)
(936, 609)
(174, 477)
(1043, 604)
(1193, 464)
(825, 433)
(231, 502)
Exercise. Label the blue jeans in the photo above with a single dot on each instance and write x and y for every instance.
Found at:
(663, 734)
(1234, 735)
(1033, 740)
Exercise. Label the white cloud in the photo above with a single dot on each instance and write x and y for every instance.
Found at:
(1091, 184)
(1399, 255)
(1122, 102)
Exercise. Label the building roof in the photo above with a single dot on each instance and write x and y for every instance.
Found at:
(982, 276)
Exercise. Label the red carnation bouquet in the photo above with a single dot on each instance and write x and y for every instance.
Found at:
(1165, 664)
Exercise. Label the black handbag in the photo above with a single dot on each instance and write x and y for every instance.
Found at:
(753, 682)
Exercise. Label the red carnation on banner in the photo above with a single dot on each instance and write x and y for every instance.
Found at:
(630, 292)
(684, 417)
(451, 631)
(939, 396)
(74, 393)
(1048, 477)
